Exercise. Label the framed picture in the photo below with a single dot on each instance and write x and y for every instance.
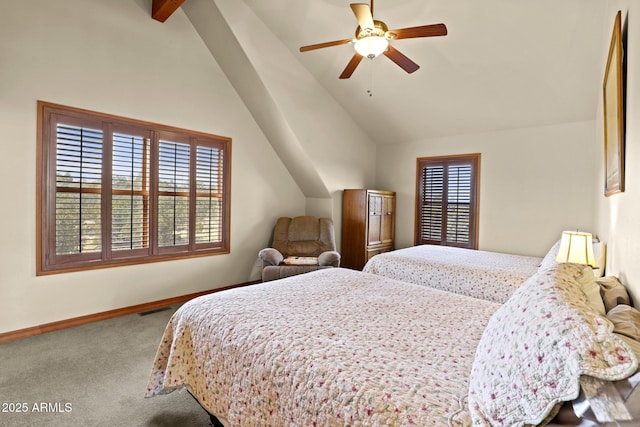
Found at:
(613, 89)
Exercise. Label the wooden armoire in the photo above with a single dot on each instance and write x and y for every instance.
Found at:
(368, 225)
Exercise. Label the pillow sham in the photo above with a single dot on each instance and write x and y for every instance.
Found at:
(535, 348)
(613, 292)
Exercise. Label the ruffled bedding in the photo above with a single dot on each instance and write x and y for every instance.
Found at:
(332, 348)
(485, 275)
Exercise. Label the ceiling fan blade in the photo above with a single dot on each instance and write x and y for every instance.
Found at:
(351, 66)
(363, 15)
(327, 44)
(421, 31)
(399, 58)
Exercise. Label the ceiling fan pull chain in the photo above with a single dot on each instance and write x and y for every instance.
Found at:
(370, 90)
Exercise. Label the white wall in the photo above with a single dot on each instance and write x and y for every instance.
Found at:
(534, 183)
(617, 215)
(110, 56)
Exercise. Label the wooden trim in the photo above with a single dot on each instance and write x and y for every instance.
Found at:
(77, 321)
(40, 221)
(124, 261)
(136, 123)
(477, 196)
(416, 208)
(161, 10)
(474, 159)
(46, 260)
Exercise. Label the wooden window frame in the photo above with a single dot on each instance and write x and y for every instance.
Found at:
(49, 262)
(474, 160)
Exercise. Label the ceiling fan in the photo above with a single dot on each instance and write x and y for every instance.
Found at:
(372, 39)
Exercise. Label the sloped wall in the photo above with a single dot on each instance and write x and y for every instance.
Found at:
(110, 56)
(319, 143)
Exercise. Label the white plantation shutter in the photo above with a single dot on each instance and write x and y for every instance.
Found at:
(119, 191)
(446, 201)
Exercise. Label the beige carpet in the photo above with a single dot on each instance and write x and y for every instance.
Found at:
(91, 375)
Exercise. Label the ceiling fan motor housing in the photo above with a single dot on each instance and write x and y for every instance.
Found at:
(380, 30)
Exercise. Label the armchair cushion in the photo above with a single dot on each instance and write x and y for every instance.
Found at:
(303, 236)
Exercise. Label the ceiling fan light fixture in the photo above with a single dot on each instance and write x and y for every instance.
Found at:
(372, 38)
(371, 46)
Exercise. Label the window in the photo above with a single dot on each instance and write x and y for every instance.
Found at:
(447, 200)
(114, 191)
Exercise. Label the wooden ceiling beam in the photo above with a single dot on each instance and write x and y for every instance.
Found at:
(161, 10)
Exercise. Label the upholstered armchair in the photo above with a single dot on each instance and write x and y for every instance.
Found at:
(300, 245)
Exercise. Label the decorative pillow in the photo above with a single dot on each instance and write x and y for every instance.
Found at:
(626, 321)
(591, 289)
(549, 259)
(535, 348)
(613, 292)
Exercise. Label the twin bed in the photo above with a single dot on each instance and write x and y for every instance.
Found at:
(485, 275)
(338, 347)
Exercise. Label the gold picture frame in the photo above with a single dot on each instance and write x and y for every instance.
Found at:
(613, 102)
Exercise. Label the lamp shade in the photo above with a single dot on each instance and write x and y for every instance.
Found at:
(577, 248)
(371, 46)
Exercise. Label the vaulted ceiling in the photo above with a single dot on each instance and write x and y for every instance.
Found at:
(504, 63)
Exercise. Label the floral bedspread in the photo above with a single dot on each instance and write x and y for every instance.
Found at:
(536, 348)
(485, 275)
(334, 347)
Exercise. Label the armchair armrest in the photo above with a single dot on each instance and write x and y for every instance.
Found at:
(270, 256)
(329, 258)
